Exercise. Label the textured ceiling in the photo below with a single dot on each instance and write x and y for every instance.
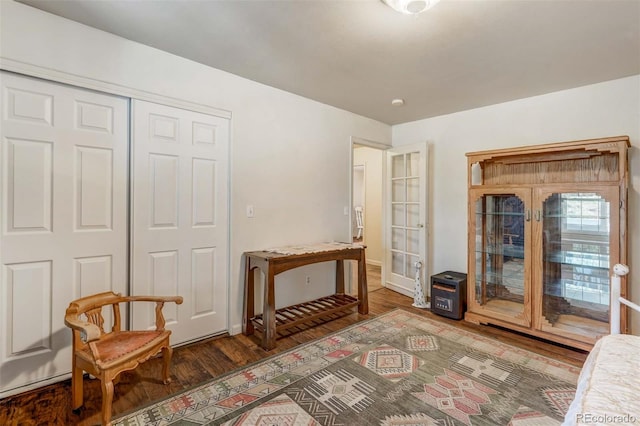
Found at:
(358, 55)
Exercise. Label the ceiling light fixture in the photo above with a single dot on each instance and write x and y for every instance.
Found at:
(397, 102)
(410, 7)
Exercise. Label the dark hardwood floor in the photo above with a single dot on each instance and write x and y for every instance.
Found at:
(198, 362)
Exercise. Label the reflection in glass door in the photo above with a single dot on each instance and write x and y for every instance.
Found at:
(576, 260)
(499, 265)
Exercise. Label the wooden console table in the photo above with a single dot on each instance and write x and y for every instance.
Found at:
(273, 262)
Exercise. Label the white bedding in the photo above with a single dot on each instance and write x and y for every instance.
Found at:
(608, 390)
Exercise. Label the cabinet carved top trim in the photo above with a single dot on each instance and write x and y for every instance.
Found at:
(592, 160)
(529, 152)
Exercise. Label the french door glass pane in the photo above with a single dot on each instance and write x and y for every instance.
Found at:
(413, 215)
(397, 215)
(413, 189)
(397, 263)
(576, 261)
(397, 166)
(413, 241)
(413, 162)
(499, 253)
(411, 265)
(397, 238)
(398, 190)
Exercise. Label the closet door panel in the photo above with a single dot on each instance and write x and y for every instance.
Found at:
(93, 188)
(180, 229)
(63, 196)
(28, 286)
(28, 166)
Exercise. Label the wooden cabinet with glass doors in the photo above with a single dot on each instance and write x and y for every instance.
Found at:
(546, 225)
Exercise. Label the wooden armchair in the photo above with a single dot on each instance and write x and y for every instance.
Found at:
(106, 354)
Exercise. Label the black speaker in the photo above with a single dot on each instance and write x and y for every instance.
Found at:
(449, 294)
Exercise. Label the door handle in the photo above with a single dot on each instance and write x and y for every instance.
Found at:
(420, 225)
(537, 215)
(528, 215)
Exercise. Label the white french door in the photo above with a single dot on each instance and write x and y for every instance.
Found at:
(180, 218)
(63, 198)
(406, 217)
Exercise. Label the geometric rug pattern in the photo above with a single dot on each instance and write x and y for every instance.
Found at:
(560, 398)
(395, 369)
(389, 362)
(278, 411)
(488, 370)
(340, 391)
(456, 396)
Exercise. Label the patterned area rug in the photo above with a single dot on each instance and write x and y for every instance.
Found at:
(396, 369)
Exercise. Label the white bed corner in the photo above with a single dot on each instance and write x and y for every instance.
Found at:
(608, 389)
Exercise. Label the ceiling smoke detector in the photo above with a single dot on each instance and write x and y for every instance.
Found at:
(410, 7)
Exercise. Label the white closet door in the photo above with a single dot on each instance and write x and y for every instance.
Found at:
(180, 217)
(63, 197)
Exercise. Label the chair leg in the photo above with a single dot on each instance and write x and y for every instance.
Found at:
(77, 382)
(167, 352)
(107, 399)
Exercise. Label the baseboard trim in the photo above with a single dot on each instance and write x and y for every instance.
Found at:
(34, 385)
(236, 329)
(398, 289)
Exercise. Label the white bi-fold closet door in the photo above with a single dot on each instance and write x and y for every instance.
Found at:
(64, 218)
(76, 219)
(179, 243)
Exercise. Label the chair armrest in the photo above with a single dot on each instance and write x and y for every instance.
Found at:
(177, 299)
(160, 301)
(88, 332)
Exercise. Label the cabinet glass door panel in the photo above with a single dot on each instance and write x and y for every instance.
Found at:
(576, 260)
(499, 273)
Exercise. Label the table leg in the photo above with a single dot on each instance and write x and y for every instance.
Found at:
(363, 298)
(339, 276)
(249, 304)
(269, 312)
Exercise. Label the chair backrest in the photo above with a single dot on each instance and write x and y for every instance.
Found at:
(90, 309)
(359, 219)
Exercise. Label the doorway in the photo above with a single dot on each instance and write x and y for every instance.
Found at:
(395, 212)
(368, 162)
(358, 203)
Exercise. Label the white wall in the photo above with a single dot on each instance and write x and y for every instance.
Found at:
(600, 110)
(290, 155)
(372, 159)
